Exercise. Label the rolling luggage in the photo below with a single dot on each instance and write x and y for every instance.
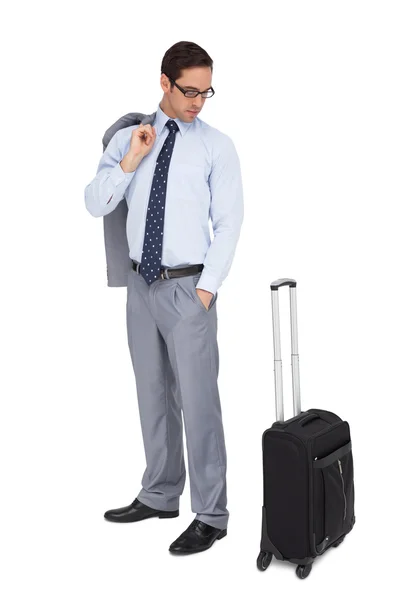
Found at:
(308, 495)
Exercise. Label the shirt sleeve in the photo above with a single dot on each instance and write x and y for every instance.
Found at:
(107, 189)
(226, 213)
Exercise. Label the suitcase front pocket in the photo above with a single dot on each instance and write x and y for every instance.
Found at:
(334, 495)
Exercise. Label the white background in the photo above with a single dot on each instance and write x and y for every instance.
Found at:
(309, 93)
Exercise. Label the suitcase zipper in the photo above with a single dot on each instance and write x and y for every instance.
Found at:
(310, 442)
(344, 493)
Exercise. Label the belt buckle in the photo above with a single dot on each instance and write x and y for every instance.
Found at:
(164, 274)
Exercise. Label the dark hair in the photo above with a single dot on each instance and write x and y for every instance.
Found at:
(183, 55)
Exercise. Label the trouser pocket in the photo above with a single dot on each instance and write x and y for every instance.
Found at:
(195, 279)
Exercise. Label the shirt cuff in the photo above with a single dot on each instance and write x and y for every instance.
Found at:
(207, 282)
(118, 176)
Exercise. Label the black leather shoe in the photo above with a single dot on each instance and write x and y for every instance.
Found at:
(137, 512)
(198, 537)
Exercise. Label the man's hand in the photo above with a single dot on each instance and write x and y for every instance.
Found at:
(204, 296)
(142, 141)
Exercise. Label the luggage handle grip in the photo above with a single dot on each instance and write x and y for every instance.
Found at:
(281, 282)
(308, 418)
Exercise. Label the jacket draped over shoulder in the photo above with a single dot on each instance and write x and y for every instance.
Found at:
(118, 261)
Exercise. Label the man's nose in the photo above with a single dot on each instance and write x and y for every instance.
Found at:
(198, 102)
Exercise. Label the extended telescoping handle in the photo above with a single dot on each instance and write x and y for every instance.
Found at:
(275, 285)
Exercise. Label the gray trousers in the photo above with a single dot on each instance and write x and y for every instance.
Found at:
(173, 345)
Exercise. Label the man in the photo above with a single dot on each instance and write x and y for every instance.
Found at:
(175, 175)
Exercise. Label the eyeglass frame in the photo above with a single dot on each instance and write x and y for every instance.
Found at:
(197, 93)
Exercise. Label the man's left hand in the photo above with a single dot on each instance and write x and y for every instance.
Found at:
(204, 296)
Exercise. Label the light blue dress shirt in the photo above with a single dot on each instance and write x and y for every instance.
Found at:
(204, 181)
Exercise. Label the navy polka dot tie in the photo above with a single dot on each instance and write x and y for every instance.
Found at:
(152, 245)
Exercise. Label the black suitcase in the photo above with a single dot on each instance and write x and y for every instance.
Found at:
(308, 497)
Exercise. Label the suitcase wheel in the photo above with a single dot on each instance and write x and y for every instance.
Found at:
(338, 541)
(263, 560)
(303, 571)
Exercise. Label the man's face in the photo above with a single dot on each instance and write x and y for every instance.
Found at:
(195, 78)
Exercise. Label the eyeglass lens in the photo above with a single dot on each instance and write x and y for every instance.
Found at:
(193, 94)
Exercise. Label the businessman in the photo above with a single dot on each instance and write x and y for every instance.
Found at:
(175, 175)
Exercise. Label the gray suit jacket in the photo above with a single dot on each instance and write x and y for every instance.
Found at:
(115, 239)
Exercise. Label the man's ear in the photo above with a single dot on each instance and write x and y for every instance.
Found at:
(164, 82)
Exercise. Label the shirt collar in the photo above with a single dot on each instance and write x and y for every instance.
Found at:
(162, 118)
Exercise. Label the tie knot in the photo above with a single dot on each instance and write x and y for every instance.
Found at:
(172, 126)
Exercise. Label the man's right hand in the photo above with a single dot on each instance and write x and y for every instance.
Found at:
(142, 141)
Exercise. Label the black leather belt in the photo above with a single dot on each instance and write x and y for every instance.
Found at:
(170, 272)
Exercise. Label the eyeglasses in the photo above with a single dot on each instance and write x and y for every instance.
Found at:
(193, 93)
